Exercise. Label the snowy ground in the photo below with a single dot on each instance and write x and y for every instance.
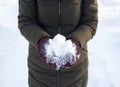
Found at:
(104, 48)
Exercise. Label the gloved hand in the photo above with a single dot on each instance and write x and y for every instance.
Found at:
(42, 41)
(72, 59)
(57, 58)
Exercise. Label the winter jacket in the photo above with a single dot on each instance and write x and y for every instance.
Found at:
(72, 18)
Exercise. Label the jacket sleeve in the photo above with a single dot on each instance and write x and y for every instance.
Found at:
(88, 22)
(27, 22)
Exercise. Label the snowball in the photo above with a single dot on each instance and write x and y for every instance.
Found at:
(60, 51)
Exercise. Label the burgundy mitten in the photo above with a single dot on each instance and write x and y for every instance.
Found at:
(42, 52)
(78, 46)
(78, 49)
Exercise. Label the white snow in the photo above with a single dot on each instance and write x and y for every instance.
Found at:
(60, 51)
(103, 49)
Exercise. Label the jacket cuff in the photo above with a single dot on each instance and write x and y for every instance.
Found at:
(33, 33)
(82, 34)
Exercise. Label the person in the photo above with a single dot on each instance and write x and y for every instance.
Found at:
(40, 20)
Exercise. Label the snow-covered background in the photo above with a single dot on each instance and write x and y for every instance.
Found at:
(104, 48)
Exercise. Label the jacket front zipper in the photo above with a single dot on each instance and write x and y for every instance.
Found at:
(59, 30)
(59, 16)
(58, 78)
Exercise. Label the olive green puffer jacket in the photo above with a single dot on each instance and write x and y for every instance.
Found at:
(72, 18)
